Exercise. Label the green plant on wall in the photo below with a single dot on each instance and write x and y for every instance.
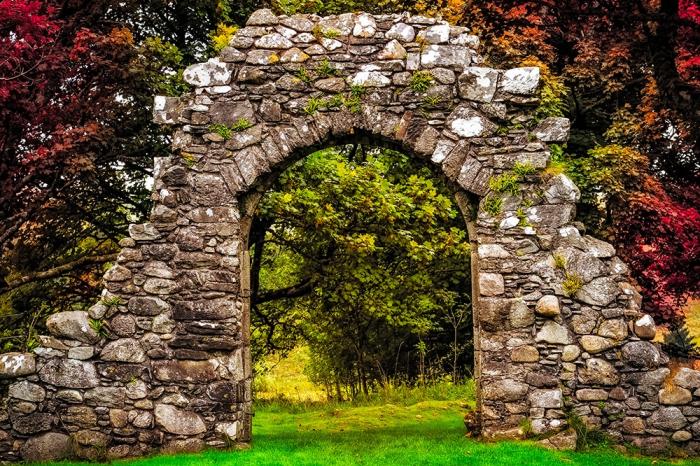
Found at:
(241, 124)
(222, 130)
(493, 204)
(304, 76)
(313, 105)
(505, 183)
(325, 69)
(572, 283)
(421, 81)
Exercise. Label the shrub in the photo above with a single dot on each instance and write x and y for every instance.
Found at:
(679, 342)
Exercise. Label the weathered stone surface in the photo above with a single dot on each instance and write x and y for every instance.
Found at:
(263, 17)
(178, 421)
(562, 441)
(467, 122)
(645, 328)
(548, 306)
(27, 391)
(595, 344)
(599, 292)
(33, 423)
(122, 325)
(478, 84)
(16, 364)
(633, 425)
(211, 73)
(274, 41)
(72, 324)
(546, 399)
(681, 436)
(641, 354)
(670, 418)
(598, 248)
(147, 306)
(491, 284)
(561, 190)
(613, 328)
(520, 80)
(585, 322)
(520, 315)
(505, 390)
(551, 332)
(525, 354)
(369, 79)
(553, 129)
(123, 350)
(331, 84)
(438, 34)
(570, 353)
(112, 397)
(687, 378)
(365, 26)
(214, 309)
(393, 50)
(488, 251)
(184, 371)
(592, 394)
(598, 372)
(143, 232)
(69, 373)
(80, 416)
(444, 56)
(51, 446)
(674, 396)
(160, 286)
(402, 32)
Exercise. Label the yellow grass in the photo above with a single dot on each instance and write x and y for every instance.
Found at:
(692, 320)
(286, 379)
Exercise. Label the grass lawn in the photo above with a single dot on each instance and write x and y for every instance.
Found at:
(425, 433)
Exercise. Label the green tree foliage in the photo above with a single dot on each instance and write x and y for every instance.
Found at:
(367, 261)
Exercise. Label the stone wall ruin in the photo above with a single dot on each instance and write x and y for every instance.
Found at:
(558, 327)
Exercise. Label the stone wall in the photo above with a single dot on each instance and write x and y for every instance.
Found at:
(162, 361)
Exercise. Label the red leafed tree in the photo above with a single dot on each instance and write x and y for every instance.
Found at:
(58, 86)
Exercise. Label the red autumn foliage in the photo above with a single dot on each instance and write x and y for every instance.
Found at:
(660, 242)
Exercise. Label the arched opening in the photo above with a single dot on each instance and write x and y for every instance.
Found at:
(361, 255)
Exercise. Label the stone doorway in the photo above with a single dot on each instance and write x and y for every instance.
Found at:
(558, 324)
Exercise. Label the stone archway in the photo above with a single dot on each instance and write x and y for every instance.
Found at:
(557, 323)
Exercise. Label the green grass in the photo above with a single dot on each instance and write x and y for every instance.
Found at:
(425, 433)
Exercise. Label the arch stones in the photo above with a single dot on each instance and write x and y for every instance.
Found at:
(162, 362)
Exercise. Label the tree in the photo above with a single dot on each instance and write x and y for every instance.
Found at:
(366, 255)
